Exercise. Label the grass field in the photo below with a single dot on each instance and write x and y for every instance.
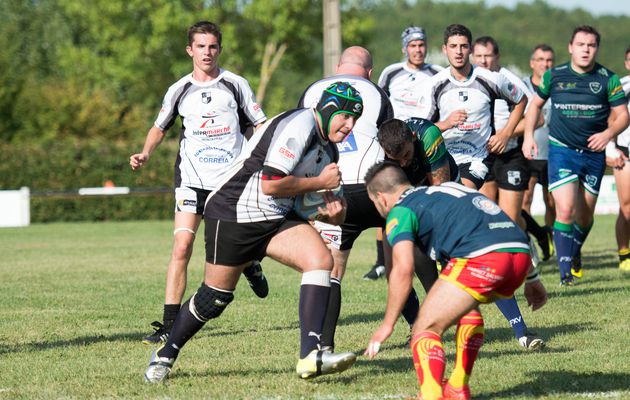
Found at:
(76, 299)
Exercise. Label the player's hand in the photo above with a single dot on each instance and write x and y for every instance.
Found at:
(498, 142)
(138, 160)
(530, 149)
(330, 177)
(380, 335)
(598, 141)
(457, 117)
(335, 211)
(536, 294)
(617, 162)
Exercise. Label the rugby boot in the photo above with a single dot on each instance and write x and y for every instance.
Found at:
(256, 279)
(319, 362)
(159, 368)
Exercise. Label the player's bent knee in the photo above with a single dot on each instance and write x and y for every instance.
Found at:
(208, 303)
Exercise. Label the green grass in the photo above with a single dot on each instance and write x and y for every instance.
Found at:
(76, 299)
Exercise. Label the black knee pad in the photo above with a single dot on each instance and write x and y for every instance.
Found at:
(208, 303)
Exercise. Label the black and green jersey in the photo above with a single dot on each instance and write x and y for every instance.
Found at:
(451, 220)
(580, 103)
(429, 152)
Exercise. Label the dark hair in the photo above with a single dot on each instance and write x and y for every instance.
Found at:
(586, 29)
(384, 177)
(542, 47)
(485, 41)
(627, 50)
(204, 27)
(393, 135)
(457, 30)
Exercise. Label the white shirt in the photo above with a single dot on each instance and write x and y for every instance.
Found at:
(215, 116)
(442, 94)
(502, 109)
(402, 84)
(541, 135)
(623, 139)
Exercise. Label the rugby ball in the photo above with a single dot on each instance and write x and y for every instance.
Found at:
(307, 205)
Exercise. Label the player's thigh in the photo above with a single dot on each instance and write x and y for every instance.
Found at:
(223, 277)
(444, 305)
(300, 247)
(622, 182)
(510, 202)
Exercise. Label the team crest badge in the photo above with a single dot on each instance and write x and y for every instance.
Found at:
(514, 177)
(205, 97)
(591, 180)
(463, 96)
(595, 87)
(486, 205)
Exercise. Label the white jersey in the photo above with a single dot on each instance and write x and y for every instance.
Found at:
(442, 94)
(623, 139)
(215, 117)
(402, 85)
(360, 149)
(502, 110)
(541, 135)
(288, 144)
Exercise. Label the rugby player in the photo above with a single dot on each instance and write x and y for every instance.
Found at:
(213, 134)
(250, 216)
(541, 60)
(617, 158)
(459, 101)
(487, 257)
(584, 94)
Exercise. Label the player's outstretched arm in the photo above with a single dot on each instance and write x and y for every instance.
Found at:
(154, 138)
(399, 287)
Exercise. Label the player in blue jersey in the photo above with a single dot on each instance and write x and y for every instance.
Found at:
(585, 96)
(486, 256)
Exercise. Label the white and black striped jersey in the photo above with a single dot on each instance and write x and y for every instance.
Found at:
(360, 149)
(623, 139)
(442, 94)
(215, 117)
(541, 135)
(502, 110)
(288, 144)
(402, 85)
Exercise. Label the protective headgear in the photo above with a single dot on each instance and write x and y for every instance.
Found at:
(410, 34)
(340, 97)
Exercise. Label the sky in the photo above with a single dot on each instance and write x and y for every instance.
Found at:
(596, 7)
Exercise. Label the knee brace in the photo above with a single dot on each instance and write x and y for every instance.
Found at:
(208, 303)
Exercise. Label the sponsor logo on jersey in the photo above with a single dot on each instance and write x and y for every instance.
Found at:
(512, 89)
(595, 87)
(212, 132)
(602, 71)
(500, 225)
(349, 144)
(486, 205)
(463, 96)
(286, 153)
(187, 202)
(566, 85)
(256, 107)
(469, 126)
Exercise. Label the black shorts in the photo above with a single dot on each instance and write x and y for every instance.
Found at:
(233, 243)
(510, 171)
(623, 149)
(538, 170)
(476, 172)
(361, 214)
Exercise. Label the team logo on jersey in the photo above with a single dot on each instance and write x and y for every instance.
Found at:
(463, 96)
(486, 205)
(566, 85)
(348, 145)
(514, 177)
(205, 97)
(595, 87)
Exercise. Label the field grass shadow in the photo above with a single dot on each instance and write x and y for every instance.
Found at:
(569, 383)
(78, 341)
